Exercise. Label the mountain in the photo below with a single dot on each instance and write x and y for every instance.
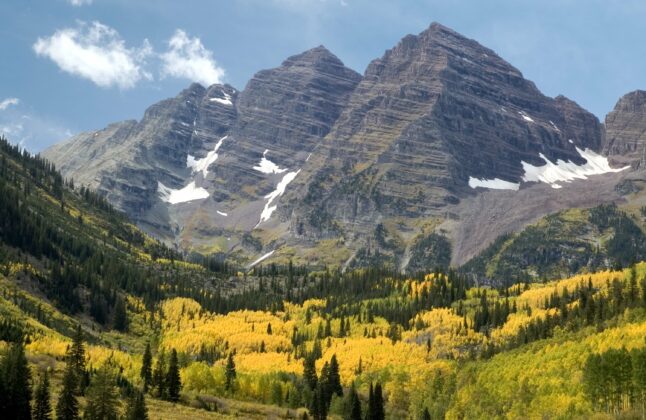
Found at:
(626, 130)
(436, 151)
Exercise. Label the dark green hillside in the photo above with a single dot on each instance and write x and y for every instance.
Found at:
(561, 245)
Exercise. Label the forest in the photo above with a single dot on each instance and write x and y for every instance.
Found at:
(100, 321)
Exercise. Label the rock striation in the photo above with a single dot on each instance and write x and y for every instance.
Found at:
(315, 162)
(626, 130)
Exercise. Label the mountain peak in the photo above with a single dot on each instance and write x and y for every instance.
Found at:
(633, 101)
(313, 57)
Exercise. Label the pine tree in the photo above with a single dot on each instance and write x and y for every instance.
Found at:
(379, 403)
(76, 356)
(230, 373)
(334, 378)
(328, 328)
(102, 402)
(269, 328)
(371, 403)
(136, 408)
(173, 382)
(159, 375)
(376, 403)
(146, 368)
(426, 415)
(355, 405)
(309, 371)
(42, 404)
(120, 321)
(17, 380)
(67, 407)
(318, 407)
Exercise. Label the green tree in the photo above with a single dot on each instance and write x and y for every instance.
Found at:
(230, 373)
(120, 321)
(355, 405)
(67, 407)
(146, 368)
(309, 371)
(42, 404)
(173, 382)
(425, 414)
(136, 408)
(318, 407)
(17, 380)
(102, 402)
(159, 375)
(376, 403)
(76, 356)
(334, 378)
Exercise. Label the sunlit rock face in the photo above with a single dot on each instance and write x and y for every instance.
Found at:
(626, 130)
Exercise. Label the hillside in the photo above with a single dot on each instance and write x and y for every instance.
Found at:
(292, 340)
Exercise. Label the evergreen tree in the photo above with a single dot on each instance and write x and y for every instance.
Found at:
(173, 382)
(159, 375)
(120, 321)
(17, 380)
(379, 403)
(42, 404)
(355, 405)
(146, 368)
(67, 407)
(76, 358)
(334, 379)
(376, 403)
(136, 408)
(102, 402)
(318, 407)
(230, 373)
(309, 371)
(426, 415)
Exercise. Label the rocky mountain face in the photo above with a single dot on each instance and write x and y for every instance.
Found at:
(626, 130)
(313, 162)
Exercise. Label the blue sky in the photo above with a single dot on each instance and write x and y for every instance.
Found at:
(74, 65)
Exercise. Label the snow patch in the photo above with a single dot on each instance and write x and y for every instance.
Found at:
(494, 184)
(202, 165)
(308, 157)
(562, 171)
(264, 257)
(221, 213)
(188, 193)
(554, 126)
(224, 101)
(525, 116)
(266, 166)
(279, 191)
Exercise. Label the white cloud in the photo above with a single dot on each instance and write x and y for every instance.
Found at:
(96, 52)
(8, 102)
(79, 2)
(188, 59)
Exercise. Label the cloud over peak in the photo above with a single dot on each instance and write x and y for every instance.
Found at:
(8, 102)
(187, 58)
(79, 2)
(96, 52)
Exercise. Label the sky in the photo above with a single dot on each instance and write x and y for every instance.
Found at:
(77, 65)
